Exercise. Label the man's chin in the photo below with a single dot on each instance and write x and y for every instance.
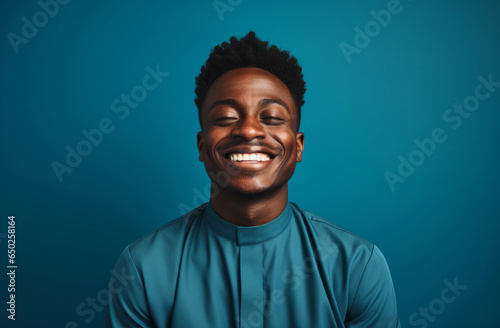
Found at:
(249, 190)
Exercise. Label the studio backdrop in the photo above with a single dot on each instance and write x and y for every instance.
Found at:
(98, 141)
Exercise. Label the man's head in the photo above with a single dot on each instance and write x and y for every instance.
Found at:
(249, 116)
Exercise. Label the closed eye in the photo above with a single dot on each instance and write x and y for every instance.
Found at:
(226, 120)
(274, 120)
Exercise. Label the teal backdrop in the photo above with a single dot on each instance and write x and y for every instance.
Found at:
(98, 140)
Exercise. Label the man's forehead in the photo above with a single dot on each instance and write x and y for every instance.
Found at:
(247, 72)
(249, 82)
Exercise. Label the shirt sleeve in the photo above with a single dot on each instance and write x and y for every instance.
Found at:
(374, 304)
(127, 306)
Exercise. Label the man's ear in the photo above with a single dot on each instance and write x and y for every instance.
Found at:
(199, 142)
(300, 145)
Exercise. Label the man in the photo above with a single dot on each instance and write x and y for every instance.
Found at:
(249, 257)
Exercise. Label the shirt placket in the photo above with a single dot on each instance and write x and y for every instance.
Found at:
(252, 293)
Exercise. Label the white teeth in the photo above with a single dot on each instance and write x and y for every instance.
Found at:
(258, 157)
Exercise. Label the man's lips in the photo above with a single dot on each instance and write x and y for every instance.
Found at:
(245, 159)
(249, 157)
(247, 165)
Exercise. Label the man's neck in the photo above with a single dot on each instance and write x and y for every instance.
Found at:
(250, 210)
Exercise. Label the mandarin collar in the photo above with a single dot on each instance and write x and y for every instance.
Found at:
(248, 235)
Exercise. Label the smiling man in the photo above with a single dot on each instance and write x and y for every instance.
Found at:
(250, 257)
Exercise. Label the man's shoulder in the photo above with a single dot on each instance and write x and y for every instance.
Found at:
(169, 236)
(329, 232)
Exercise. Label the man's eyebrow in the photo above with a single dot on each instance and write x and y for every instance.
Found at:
(267, 101)
(231, 102)
(235, 103)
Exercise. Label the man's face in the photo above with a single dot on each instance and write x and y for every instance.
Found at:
(249, 123)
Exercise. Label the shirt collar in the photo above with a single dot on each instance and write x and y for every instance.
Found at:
(248, 235)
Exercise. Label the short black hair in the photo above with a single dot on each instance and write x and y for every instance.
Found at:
(250, 51)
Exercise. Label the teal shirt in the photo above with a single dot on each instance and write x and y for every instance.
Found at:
(299, 270)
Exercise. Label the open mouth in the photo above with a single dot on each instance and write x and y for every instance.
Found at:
(248, 157)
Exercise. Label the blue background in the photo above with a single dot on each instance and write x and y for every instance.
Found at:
(442, 222)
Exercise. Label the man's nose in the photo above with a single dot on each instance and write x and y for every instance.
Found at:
(249, 128)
